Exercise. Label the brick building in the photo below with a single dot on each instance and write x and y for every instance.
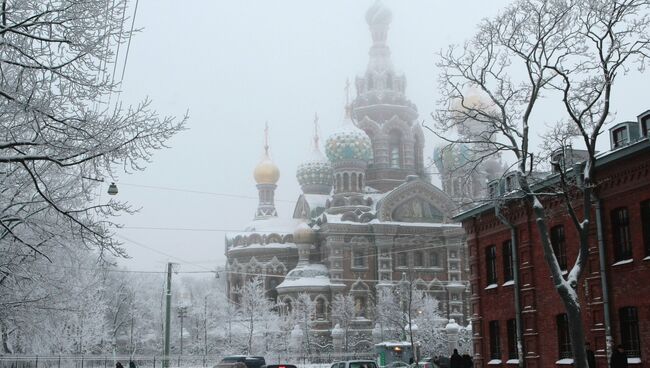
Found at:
(623, 232)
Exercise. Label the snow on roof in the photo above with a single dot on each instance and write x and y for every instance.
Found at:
(316, 200)
(264, 246)
(273, 225)
(311, 275)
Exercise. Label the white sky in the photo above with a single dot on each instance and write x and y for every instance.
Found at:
(236, 64)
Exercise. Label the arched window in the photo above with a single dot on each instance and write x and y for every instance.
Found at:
(346, 182)
(395, 149)
(361, 182)
(321, 310)
(418, 259)
(338, 182)
(353, 182)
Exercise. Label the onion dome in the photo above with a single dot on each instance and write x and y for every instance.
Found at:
(378, 14)
(348, 143)
(266, 172)
(304, 234)
(315, 174)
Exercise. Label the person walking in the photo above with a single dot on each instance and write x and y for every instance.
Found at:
(591, 357)
(119, 365)
(467, 361)
(619, 358)
(455, 361)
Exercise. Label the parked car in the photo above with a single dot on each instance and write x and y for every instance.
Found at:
(242, 361)
(354, 364)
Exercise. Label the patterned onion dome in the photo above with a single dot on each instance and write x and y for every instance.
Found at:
(266, 172)
(315, 171)
(348, 143)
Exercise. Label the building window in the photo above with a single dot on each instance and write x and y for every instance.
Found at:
(511, 325)
(645, 126)
(645, 224)
(559, 245)
(563, 338)
(346, 182)
(395, 149)
(433, 259)
(491, 264)
(507, 260)
(621, 234)
(629, 320)
(495, 343)
(619, 136)
(359, 259)
(321, 310)
(401, 260)
(360, 306)
(418, 259)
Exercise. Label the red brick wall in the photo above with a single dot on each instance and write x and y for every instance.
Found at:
(622, 184)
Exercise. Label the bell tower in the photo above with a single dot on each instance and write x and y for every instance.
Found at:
(382, 110)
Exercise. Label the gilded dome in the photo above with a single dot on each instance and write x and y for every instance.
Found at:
(266, 172)
(348, 143)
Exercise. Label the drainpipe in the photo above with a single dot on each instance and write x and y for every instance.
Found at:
(514, 245)
(603, 278)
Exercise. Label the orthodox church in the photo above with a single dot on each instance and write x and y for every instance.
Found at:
(368, 215)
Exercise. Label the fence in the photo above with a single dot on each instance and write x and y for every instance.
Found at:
(156, 361)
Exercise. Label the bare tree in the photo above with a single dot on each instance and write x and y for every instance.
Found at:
(57, 127)
(343, 314)
(256, 311)
(570, 53)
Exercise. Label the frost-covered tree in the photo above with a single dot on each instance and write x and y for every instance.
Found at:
(343, 314)
(57, 131)
(430, 329)
(571, 53)
(256, 314)
(390, 314)
(304, 310)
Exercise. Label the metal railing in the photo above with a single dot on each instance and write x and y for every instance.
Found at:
(156, 361)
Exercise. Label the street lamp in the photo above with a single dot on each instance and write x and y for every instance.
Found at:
(112, 189)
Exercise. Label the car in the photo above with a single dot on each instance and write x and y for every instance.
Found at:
(281, 366)
(424, 364)
(355, 364)
(242, 361)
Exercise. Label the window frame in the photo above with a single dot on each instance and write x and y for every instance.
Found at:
(508, 269)
(620, 137)
(495, 340)
(645, 225)
(511, 327)
(563, 336)
(621, 236)
(491, 265)
(359, 254)
(629, 324)
(558, 243)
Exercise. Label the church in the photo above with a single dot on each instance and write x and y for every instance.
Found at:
(368, 214)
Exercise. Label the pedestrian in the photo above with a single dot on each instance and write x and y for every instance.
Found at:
(619, 358)
(119, 365)
(467, 361)
(455, 361)
(591, 358)
(132, 364)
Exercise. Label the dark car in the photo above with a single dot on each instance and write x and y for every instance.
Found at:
(241, 361)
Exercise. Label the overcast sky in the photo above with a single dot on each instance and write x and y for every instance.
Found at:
(236, 64)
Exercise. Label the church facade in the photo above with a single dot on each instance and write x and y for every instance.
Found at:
(368, 214)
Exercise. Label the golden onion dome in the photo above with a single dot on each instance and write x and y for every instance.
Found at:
(303, 234)
(266, 172)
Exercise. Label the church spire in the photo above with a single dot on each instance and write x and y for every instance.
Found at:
(266, 175)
